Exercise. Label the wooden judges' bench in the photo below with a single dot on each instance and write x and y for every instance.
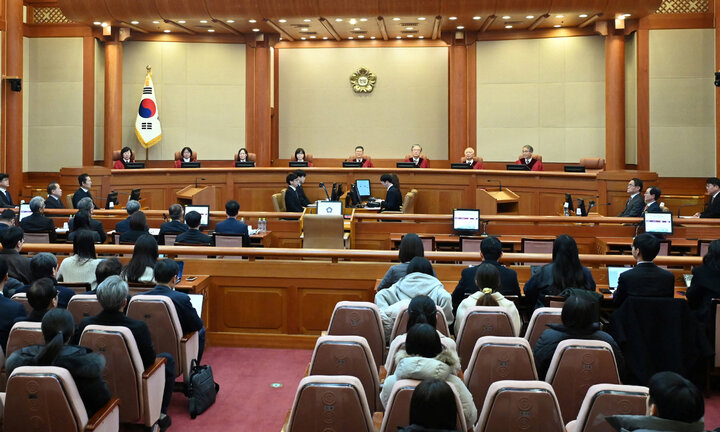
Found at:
(440, 190)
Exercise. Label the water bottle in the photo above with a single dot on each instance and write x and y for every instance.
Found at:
(262, 224)
(566, 209)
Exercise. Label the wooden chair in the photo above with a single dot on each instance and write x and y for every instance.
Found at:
(324, 232)
(228, 240)
(178, 156)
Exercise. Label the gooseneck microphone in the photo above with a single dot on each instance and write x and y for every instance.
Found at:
(493, 181)
(322, 185)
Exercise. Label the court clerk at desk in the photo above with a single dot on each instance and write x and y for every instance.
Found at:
(393, 197)
(292, 199)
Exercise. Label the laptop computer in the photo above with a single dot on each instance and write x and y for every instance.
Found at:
(614, 274)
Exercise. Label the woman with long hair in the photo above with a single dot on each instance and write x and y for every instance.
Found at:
(186, 155)
(142, 264)
(432, 408)
(705, 285)
(299, 156)
(80, 267)
(138, 227)
(126, 156)
(242, 155)
(81, 222)
(411, 246)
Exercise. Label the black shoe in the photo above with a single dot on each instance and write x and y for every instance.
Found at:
(164, 423)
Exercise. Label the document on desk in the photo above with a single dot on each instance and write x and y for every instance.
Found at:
(197, 302)
(154, 231)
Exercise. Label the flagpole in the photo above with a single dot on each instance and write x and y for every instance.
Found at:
(147, 151)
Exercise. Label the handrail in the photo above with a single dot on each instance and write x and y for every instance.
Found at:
(531, 219)
(160, 213)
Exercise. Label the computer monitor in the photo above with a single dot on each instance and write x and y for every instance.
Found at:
(614, 274)
(460, 166)
(352, 164)
(190, 165)
(405, 165)
(466, 221)
(24, 211)
(353, 197)
(135, 165)
(135, 195)
(329, 208)
(363, 187)
(659, 223)
(112, 200)
(574, 168)
(246, 164)
(517, 167)
(337, 192)
(298, 164)
(204, 211)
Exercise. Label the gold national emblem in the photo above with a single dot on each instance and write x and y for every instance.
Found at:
(363, 81)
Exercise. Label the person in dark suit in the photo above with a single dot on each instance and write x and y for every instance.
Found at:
(138, 226)
(304, 201)
(194, 235)
(5, 197)
(491, 251)
(646, 279)
(166, 272)
(292, 199)
(45, 266)
(175, 225)
(37, 222)
(81, 223)
(112, 295)
(83, 191)
(7, 219)
(231, 225)
(18, 265)
(42, 296)
(712, 210)
(635, 205)
(652, 195)
(54, 199)
(9, 310)
(415, 158)
(393, 197)
(124, 225)
(86, 204)
(705, 286)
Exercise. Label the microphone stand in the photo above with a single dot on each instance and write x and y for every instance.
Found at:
(498, 182)
(322, 185)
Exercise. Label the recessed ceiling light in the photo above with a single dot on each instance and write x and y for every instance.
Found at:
(350, 37)
(530, 17)
(396, 19)
(421, 19)
(282, 20)
(303, 38)
(104, 24)
(304, 29)
(203, 21)
(166, 31)
(508, 26)
(583, 15)
(409, 28)
(421, 37)
(626, 15)
(372, 37)
(557, 26)
(280, 37)
(477, 18)
(398, 37)
(361, 37)
(211, 30)
(338, 19)
(409, 36)
(134, 22)
(181, 22)
(352, 21)
(507, 17)
(325, 37)
(230, 21)
(452, 18)
(97, 23)
(460, 27)
(156, 22)
(313, 37)
(256, 30)
(363, 19)
(356, 28)
(559, 16)
(307, 20)
(252, 21)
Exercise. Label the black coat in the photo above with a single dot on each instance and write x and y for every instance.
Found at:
(634, 207)
(292, 201)
(194, 236)
(189, 319)
(712, 210)
(80, 194)
(6, 199)
(9, 312)
(645, 280)
(138, 328)
(131, 236)
(704, 287)
(393, 199)
(54, 203)
(466, 286)
(96, 226)
(171, 227)
(542, 284)
(304, 200)
(18, 265)
(37, 222)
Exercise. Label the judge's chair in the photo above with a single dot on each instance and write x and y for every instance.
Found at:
(178, 156)
(593, 164)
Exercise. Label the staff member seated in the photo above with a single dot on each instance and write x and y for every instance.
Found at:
(292, 199)
(193, 234)
(528, 160)
(186, 155)
(416, 158)
(470, 159)
(646, 279)
(712, 210)
(126, 156)
(231, 225)
(54, 199)
(360, 157)
(37, 222)
(634, 206)
(393, 197)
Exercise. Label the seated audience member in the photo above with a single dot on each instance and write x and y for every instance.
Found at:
(470, 159)
(415, 158)
(106, 268)
(651, 197)
(411, 246)
(5, 198)
(564, 272)
(80, 266)
(705, 286)
(528, 160)
(292, 198)
(423, 310)
(85, 366)
(360, 157)
(432, 408)
(113, 296)
(54, 199)
(646, 279)
(138, 227)
(712, 209)
(85, 182)
(42, 296)
(37, 222)
(126, 156)
(232, 225)
(186, 155)
(635, 205)
(675, 405)
(487, 280)
(166, 272)
(45, 266)
(393, 197)
(7, 219)
(577, 323)
(124, 225)
(304, 200)
(95, 225)
(175, 225)
(424, 358)
(490, 251)
(10, 310)
(81, 224)
(299, 156)
(242, 155)
(419, 281)
(141, 267)
(18, 265)
(193, 234)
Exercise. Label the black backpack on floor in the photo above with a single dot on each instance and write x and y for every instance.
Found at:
(202, 389)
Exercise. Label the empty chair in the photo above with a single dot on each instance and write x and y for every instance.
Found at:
(24, 334)
(228, 240)
(37, 237)
(594, 164)
(330, 403)
(22, 299)
(481, 321)
(603, 400)
(541, 317)
(159, 314)
(400, 325)
(399, 343)
(397, 412)
(496, 358)
(348, 355)
(169, 239)
(360, 319)
(576, 365)
(56, 403)
(516, 406)
(470, 244)
(140, 392)
(82, 306)
(538, 246)
(323, 231)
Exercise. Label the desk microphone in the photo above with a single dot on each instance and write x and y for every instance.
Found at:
(322, 185)
(498, 182)
(196, 181)
(686, 205)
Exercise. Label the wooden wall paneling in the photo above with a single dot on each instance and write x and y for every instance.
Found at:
(677, 21)
(275, 139)
(12, 102)
(716, 25)
(614, 99)
(250, 141)
(88, 128)
(254, 307)
(643, 100)
(458, 94)
(113, 99)
(315, 305)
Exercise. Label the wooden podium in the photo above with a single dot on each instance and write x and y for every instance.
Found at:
(201, 195)
(503, 201)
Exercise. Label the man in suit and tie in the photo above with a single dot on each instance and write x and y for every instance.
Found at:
(175, 225)
(231, 225)
(10, 310)
(712, 188)
(5, 198)
(635, 204)
(360, 157)
(652, 195)
(393, 197)
(646, 279)
(415, 157)
(292, 199)
(83, 191)
(193, 234)
(37, 222)
(54, 199)
(304, 201)
(124, 225)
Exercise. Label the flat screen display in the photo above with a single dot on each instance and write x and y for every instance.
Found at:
(658, 223)
(614, 274)
(466, 220)
(329, 208)
(363, 188)
(204, 211)
(24, 211)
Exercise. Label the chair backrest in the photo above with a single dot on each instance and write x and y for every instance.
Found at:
(496, 358)
(169, 239)
(82, 306)
(541, 317)
(348, 355)
(228, 240)
(278, 202)
(69, 201)
(593, 164)
(664, 250)
(116, 154)
(534, 156)
(481, 321)
(408, 205)
(78, 287)
(43, 398)
(603, 400)
(520, 405)
(540, 246)
(702, 247)
(22, 299)
(251, 157)
(352, 158)
(178, 155)
(360, 319)
(323, 231)
(24, 334)
(123, 363)
(401, 321)
(325, 403)
(398, 344)
(139, 287)
(428, 242)
(471, 244)
(397, 412)
(576, 365)
(159, 313)
(37, 237)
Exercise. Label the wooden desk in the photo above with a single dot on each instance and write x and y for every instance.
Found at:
(200, 285)
(512, 243)
(681, 245)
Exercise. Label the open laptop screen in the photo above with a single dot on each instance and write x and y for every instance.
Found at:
(659, 223)
(24, 211)
(614, 274)
(329, 208)
(466, 220)
(204, 211)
